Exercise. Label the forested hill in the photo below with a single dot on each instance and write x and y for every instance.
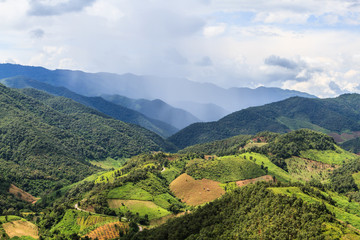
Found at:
(46, 141)
(116, 111)
(341, 114)
(253, 212)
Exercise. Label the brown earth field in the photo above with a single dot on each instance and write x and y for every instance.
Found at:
(195, 192)
(21, 194)
(108, 231)
(20, 229)
(266, 178)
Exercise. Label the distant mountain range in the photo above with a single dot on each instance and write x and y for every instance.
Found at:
(173, 91)
(333, 115)
(156, 109)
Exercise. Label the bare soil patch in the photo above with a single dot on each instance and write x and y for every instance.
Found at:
(196, 192)
(20, 229)
(21, 194)
(267, 178)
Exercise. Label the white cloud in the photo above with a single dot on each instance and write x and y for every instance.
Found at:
(212, 31)
(315, 43)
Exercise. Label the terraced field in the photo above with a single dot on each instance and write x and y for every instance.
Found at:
(108, 231)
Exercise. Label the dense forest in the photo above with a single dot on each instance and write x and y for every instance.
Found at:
(337, 115)
(252, 212)
(116, 111)
(47, 140)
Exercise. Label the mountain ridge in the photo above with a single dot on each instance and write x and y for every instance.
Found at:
(116, 111)
(327, 115)
(170, 90)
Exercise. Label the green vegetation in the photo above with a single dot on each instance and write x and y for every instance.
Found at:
(356, 177)
(129, 191)
(338, 115)
(337, 156)
(138, 208)
(352, 145)
(110, 109)
(304, 170)
(9, 218)
(109, 163)
(255, 213)
(224, 169)
(80, 222)
(224, 147)
(41, 133)
(273, 170)
(342, 180)
(343, 209)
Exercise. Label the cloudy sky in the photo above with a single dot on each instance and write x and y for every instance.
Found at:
(311, 46)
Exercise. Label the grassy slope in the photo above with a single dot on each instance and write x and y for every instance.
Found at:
(329, 156)
(224, 169)
(304, 170)
(356, 177)
(273, 170)
(129, 191)
(344, 210)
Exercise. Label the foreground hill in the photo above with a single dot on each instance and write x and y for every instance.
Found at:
(156, 109)
(49, 140)
(254, 212)
(334, 115)
(170, 90)
(311, 190)
(116, 111)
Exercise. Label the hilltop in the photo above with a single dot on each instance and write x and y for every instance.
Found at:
(332, 116)
(200, 97)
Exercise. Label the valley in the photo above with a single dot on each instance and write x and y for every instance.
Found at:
(73, 167)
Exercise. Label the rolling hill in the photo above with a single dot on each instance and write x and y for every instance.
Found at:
(170, 90)
(333, 115)
(309, 181)
(116, 111)
(48, 140)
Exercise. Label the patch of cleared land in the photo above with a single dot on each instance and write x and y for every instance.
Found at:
(304, 170)
(108, 231)
(266, 178)
(137, 206)
(21, 194)
(196, 192)
(21, 228)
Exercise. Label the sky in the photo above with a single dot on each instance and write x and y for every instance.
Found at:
(311, 46)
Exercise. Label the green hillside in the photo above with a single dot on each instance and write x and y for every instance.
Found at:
(116, 111)
(352, 145)
(47, 141)
(337, 115)
(155, 109)
(254, 212)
